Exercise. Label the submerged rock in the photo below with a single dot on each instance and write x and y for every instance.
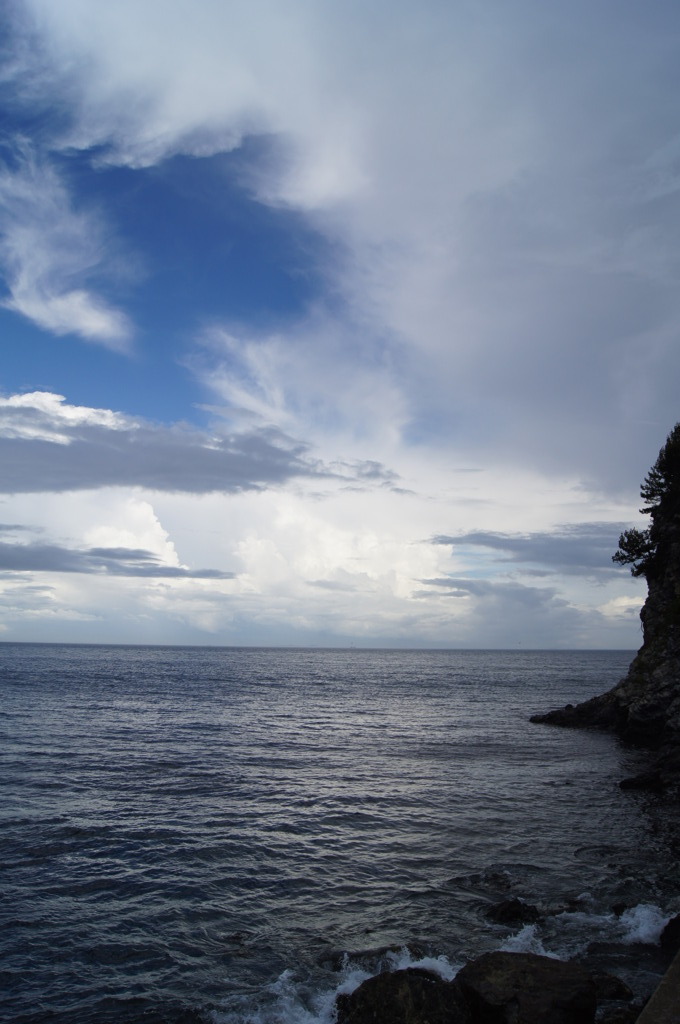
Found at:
(512, 912)
(523, 988)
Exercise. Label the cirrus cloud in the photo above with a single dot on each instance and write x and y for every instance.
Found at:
(49, 251)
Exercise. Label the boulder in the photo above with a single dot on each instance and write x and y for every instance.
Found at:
(523, 988)
(412, 996)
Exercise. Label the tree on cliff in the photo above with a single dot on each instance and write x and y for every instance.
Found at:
(645, 550)
(644, 708)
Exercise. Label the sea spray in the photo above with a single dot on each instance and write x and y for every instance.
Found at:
(643, 923)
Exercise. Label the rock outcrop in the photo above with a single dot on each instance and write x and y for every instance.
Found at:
(527, 989)
(644, 708)
(496, 988)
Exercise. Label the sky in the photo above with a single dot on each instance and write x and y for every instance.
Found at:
(334, 323)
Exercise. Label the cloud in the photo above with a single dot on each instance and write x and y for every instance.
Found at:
(326, 376)
(499, 191)
(505, 613)
(48, 445)
(581, 548)
(49, 251)
(518, 593)
(44, 416)
(114, 561)
(496, 189)
(332, 585)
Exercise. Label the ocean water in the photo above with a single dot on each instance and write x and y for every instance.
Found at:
(228, 835)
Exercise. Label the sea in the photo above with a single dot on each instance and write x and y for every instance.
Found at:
(216, 835)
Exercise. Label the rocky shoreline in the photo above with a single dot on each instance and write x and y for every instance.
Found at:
(506, 987)
(643, 710)
(499, 987)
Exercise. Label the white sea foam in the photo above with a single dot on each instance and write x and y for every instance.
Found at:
(285, 1001)
(643, 923)
(352, 977)
(288, 1001)
(570, 933)
(440, 965)
(527, 940)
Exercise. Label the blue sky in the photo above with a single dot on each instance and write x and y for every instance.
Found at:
(326, 325)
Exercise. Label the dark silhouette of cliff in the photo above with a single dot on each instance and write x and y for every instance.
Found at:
(644, 708)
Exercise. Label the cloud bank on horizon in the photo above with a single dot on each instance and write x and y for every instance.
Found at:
(371, 313)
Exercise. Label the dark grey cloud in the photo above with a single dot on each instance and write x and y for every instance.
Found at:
(518, 593)
(41, 450)
(578, 549)
(158, 458)
(154, 457)
(100, 561)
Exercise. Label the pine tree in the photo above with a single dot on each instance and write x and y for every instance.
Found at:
(644, 550)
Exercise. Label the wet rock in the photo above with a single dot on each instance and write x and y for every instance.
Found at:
(512, 912)
(651, 781)
(597, 713)
(670, 936)
(620, 1015)
(609, 987)
(523, 988)
(412, 996)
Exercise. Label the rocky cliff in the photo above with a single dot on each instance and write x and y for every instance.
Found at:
(644, 708)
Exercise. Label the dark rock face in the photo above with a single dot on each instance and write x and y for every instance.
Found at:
(598, 713)
(412, 996)
(522, 988)
(670, 936)
(644, 708)
(651, 781)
